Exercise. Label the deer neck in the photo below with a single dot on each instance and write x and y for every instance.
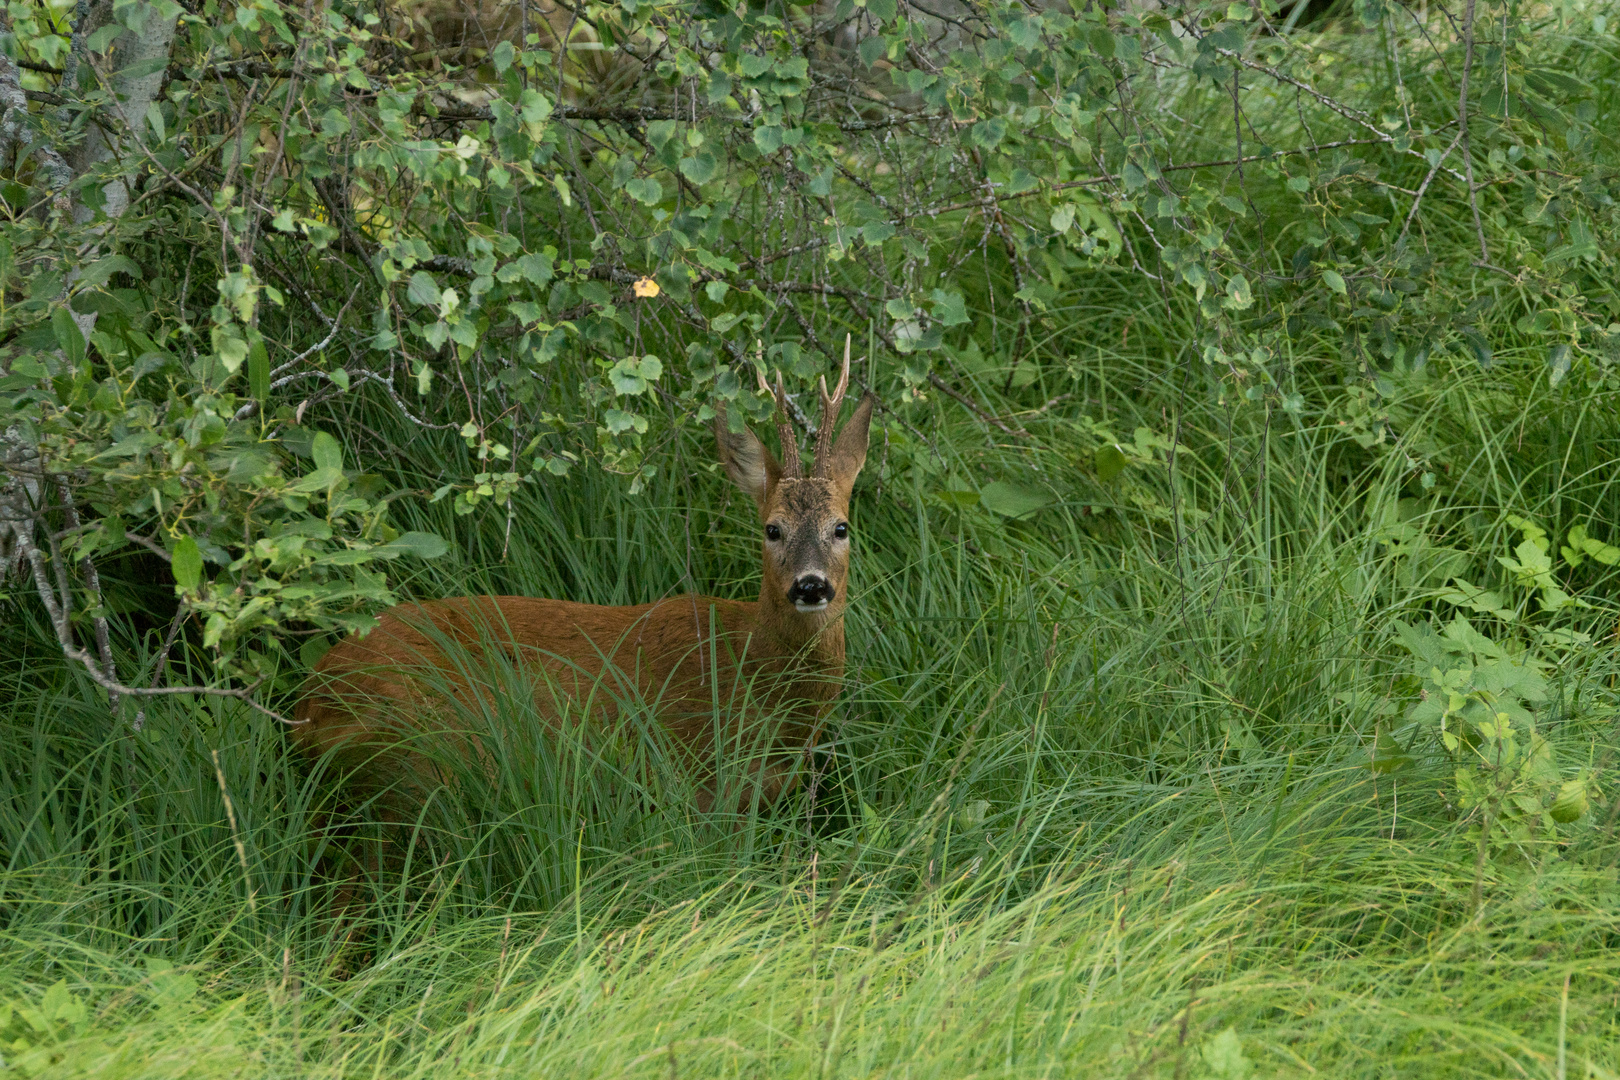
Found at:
(811, 642)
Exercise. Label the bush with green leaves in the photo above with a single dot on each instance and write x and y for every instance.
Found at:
(1123, 634)
(229, 225)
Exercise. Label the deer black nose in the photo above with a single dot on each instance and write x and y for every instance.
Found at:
(811, 590)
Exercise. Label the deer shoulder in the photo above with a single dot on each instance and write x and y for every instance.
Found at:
(782, 654)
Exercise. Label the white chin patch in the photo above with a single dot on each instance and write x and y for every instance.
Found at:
(820, 605)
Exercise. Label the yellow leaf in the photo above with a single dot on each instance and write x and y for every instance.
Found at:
(645, 288)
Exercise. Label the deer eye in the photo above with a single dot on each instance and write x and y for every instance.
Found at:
(841, 530)
(773, 532)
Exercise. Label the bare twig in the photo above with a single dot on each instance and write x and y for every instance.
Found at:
(1417, 200)
(59, 616)
(1355, 116)
(1462, 125)
(971, 406)
(160, 663)
(92, 584)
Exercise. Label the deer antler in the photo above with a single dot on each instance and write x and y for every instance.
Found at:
(784, 426)
(829, 417)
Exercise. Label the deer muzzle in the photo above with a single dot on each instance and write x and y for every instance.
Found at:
(811, 592)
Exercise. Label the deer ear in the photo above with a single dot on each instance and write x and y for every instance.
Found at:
(750, 465)
(849, 449)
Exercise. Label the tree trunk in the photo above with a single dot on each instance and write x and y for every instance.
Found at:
(141, 52)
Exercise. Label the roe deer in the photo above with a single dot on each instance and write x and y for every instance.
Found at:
(680, 654)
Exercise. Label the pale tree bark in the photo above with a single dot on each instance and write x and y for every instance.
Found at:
(19, 132)
(131, 67)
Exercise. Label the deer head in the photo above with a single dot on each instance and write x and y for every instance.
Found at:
(804, 519)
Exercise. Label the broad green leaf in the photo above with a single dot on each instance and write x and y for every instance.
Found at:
(103, 37)
(258, 363)
(423, 289)
(59, 1005)
(536, 268)
(230, 348)
(1557, 363)
(988, 133)
(142, 68)
(1110, 461)
(619, 421)
(645, 189)
(1466, 594)
(422, 545)
(958, 499)
(877, 232)
(1026, 32)
(1598, 551)
(68, 336)
(97, 274)
(659, 132)
(635, 375)
(949, 308)
(326, 452)
(318, 480)
(768, 139)
(131, 445)
(1013, 500)
(1478, 346)
(1570, 803)
(700, 168)
(1387, 755)
(534, 107)
(185, 563)
(1224, 1059)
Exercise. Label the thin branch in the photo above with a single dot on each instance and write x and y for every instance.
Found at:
(64, 636)
(387, 383)
(92, 584)
(151, 545)
(160, 663)
(970, 405)
(630, 116)
(1110, 178)
(1462, 125)
(1354, 115)
(1417, 199)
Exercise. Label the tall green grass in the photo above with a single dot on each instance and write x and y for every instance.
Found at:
(1095, 800)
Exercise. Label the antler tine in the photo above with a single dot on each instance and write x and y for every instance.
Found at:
(784, 426)
(829, 415)
(784, 431)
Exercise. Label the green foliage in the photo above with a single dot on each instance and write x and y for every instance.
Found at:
(351, 224)
(1213, 468)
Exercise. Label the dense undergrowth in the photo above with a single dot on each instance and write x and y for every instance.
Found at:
(1095, 800)
(1132, 776)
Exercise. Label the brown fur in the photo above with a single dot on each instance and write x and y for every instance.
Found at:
(364, 695)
